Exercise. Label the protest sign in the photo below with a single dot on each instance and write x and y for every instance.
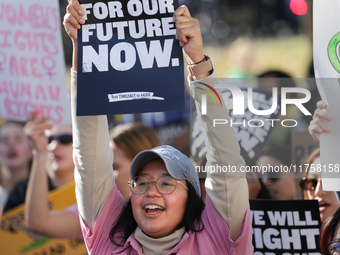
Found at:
(16, 239)
(251, 129)
(289, 227)
(326, 38)
(32, 67)
(128, 58)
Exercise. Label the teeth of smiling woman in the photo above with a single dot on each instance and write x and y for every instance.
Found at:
(153, 207)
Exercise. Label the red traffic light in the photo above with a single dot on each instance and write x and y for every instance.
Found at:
(298, 7)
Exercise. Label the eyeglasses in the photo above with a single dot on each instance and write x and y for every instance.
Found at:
(334, 247)
(164, 184)
(308, 183)
(62, 139)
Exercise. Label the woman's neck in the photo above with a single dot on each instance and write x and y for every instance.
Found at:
(163, 245)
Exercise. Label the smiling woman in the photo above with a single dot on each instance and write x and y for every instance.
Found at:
(169, 210)
(165, 214)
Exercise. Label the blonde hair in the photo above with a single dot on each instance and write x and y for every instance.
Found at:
(133, 138)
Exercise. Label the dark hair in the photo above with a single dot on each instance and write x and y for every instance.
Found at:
(126, 223)
(280, 152)
(281, 80)
(274, 73)
(328, 230)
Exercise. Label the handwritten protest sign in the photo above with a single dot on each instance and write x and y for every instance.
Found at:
(326, 39)
(128, 58)
(290, 227)
(16, 239)
(32, 68)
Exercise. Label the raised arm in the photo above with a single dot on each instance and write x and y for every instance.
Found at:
(38, 217)
(317, 125)
(92, 154)
(72, 20)
(227, 191)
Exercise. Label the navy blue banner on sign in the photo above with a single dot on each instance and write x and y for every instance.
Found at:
(129, 60)
(285, 227)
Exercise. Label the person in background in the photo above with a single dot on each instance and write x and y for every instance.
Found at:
(58, 168)
(318, 125)
(281, 186)
(330, 235)
(280, 135)
(15, 158)
(254, 185)
(275, 79)
(126, 141)
(312, 188)
(52, 167)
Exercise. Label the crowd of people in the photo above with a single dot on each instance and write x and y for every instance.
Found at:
(118, 209)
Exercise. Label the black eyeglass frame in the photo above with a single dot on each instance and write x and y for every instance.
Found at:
(155, 180)
(62, 139)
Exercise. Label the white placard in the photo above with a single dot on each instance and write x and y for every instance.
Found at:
(32, 66)
(326, 39)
